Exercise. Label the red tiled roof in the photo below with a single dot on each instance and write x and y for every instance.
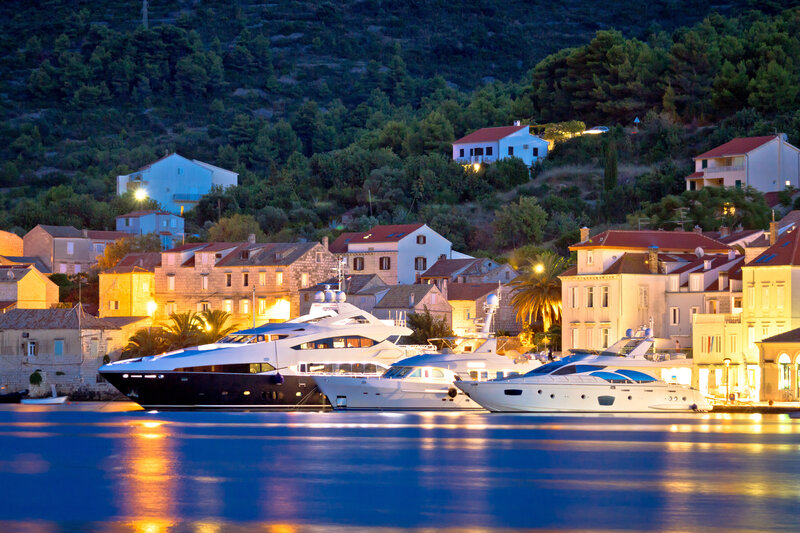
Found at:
(673, 241)
(489, 134)
(786, 251)
(469, 291)
(106, 235)
(738, 146)
(694, 175)
(391, 233)
(136, 262)
(630, 264)
(571, 271)
(772, 198)
(6, 303)
(792, 218)
(445, 268)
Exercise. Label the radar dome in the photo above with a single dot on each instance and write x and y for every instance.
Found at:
(648, 332)
(699, 252)
(492, 300)
(330, 296)
(319, 296)
(341, 297)
(629, 332)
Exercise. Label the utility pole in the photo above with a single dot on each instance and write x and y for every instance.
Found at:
(144, 13)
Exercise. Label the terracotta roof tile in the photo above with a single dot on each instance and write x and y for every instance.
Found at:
(390, 233)
(738, 146)
(447, 268)
(469, 291)
(397, 297)
(62, 231)
(490, 134)
(107, 235)
(136, 262)
(667, 241)
(785, 251)
(52, 319)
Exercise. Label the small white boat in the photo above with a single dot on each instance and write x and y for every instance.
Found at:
(50, 400)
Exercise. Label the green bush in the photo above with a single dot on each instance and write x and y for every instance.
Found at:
(36, 378)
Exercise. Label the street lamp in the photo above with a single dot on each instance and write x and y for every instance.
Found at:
(538, 268)
(140, 194)
(727, 362)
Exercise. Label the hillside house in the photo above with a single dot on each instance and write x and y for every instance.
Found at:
(66, 250)
(175, 182)
(24, 287)
(399, 254)
(167, 226)
(488, 145)
(767, 163)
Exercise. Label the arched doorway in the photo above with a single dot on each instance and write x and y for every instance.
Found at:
(784, 372)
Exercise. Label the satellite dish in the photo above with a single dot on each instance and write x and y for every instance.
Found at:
(492, 300)
(699, 252)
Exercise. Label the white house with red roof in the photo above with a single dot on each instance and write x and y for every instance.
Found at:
(768, 164)
(398, 253)
(623, 280)
(175, 182)
(488, 145)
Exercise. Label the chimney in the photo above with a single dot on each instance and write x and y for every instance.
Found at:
(652, 259)
(325, 242)
(731, 254)
(724, 231)
(251, 238)
(411, 300)
(584, 234)
(698, 230)
(516, 123)
(773, 232)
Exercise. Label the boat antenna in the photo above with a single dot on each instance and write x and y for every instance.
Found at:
(340, 273)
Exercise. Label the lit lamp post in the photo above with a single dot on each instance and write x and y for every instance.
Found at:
(727, 362)
(539, 268)
(140, 195)
(151, 311)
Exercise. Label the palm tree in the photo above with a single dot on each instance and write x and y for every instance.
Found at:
(214, 325)
(185, 329)
(537, 291)
(146, 341)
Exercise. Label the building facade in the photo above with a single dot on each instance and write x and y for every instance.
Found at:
(128, 289)
(66, 250)
(488, 145)
(175, 182)
(24, 287)
(167, 226)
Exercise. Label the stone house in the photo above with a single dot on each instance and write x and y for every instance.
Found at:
(128, 289)
(24, 287)
(252, 281)
(65, 346)
(66, 250)
(362, 290)
(402, 300)
(399, 254)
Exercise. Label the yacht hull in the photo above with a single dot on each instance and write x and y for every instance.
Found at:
(508, 396)
(380, 394)
(216, 390)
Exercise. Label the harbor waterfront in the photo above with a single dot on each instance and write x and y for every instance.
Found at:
(115, 467)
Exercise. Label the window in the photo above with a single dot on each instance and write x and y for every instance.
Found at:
(204, 306)
(737, 302)
(127, 222)
(604, 296)
(673, 283)
(588, 338)
(420, 263)
(32, 348)
(164, 223)
(696, 283)
(711, 344)
(171, 308)
(245, 279)
(535, 152)
(204, 282)
(765, 297)
(779, 297)
(172, 223)
(358, 263)
(785, 372)
(244, 305)
(77, 268)
(461, 152)
(385, 263)
(589, 296)
(170, 259)
(434, 298)
(751, 297)
(731, 343)
(467, 314)
(573, 297)
(262, 306)
(604, 337)
(318, 257)
(113, 305)
(510, 150)
(590, 257)
(303, 280)
(574, 337)
(228, 279)
(421, 239)
(262, 278)
(58, 347)
(70, 248)
(170, 283)
(738, 184)
(228, 305)
(279, 278)
(145, 286)
(644, 298)
(62, 268)
(488, 150)
(704, 163)
(98, 248)
(674, 316)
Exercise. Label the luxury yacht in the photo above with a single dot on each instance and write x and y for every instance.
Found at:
(268, 366)
(427, 381)
(624, 378)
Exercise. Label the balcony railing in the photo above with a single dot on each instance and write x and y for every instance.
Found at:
(732, 168)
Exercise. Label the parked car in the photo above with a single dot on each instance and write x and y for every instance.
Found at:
(596, 130)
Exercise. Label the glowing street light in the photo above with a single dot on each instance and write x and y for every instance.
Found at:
(727, 362)
(140, 194)
(151, 308)
(538, 268)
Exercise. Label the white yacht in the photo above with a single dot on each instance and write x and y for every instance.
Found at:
(268, 366)
(624, 378)
(427, 381)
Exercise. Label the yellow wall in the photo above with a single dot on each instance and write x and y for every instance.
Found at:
(461, 324)
(10, 244)
(35, 291)
(132, 290)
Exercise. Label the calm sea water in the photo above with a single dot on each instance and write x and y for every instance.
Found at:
(112, 467)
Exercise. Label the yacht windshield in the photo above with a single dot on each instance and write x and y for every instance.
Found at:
(546, 369)
(398, 372)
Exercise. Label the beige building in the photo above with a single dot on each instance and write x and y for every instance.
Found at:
(621, 281)
(779, 359)
(252, 281)
(362, 290)
(24, 287)
(402, 300)
(10, 244)
(128, 289)
(66, 250)
(65, 346)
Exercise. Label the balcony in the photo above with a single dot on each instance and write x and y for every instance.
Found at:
(717, 318)
(732, 168)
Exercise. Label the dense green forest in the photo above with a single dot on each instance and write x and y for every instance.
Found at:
(348, 108)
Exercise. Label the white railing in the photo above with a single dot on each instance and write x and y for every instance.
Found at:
(733, 168)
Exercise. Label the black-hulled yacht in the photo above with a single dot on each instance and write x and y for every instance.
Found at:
(270, 366)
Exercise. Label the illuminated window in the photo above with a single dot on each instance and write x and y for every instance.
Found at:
(170, 283)
(279, 278)
(244, 305)
(228, 306)
(262, 278)
(784, 372)
(303, 280)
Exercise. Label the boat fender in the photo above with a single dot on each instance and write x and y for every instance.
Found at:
(279, 378)
(693, 407)
(452, 392)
